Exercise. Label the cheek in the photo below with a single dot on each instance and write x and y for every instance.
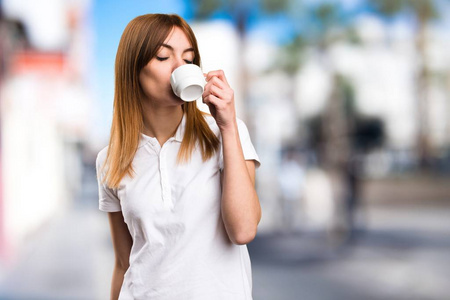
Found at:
(155, 77)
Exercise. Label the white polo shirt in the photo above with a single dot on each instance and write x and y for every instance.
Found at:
(180, 247)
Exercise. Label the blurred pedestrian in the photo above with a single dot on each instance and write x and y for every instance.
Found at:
(177, 183)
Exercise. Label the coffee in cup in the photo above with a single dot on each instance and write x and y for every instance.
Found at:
(188, 82)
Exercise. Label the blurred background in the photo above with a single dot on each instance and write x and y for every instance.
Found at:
(347, 103)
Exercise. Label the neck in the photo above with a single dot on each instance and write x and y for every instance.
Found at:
(162, 123)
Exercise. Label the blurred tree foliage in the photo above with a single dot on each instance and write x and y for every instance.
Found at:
(291, 56)
(240, 11)
(422, 10)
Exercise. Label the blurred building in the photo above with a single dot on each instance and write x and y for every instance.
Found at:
(46, 107)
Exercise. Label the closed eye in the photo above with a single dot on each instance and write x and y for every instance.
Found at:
(161, 58)
(189, 61)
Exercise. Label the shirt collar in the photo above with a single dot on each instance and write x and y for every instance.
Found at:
(179, 134)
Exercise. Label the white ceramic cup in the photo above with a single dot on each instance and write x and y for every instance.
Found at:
(188, 82)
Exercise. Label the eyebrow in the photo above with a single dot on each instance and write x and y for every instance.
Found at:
(171, 48)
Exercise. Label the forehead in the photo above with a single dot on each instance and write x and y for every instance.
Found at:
(177, 39)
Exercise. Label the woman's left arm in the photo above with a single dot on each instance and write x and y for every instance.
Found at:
(241, 211)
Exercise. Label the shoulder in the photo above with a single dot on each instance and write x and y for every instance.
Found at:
(241, 125)
(101, 156)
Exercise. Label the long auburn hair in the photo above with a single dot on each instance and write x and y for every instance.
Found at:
(139, 43)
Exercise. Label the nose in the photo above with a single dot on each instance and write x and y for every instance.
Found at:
(179, 61)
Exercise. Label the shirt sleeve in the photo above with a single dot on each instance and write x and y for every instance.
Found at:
(247, 147)
(108, 199)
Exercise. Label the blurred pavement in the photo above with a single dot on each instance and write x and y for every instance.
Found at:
(401, 251)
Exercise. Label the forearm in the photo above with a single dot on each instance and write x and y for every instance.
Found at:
(117, 280)
(241, 210)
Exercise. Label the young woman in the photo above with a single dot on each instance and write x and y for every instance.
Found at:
(178, 185)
